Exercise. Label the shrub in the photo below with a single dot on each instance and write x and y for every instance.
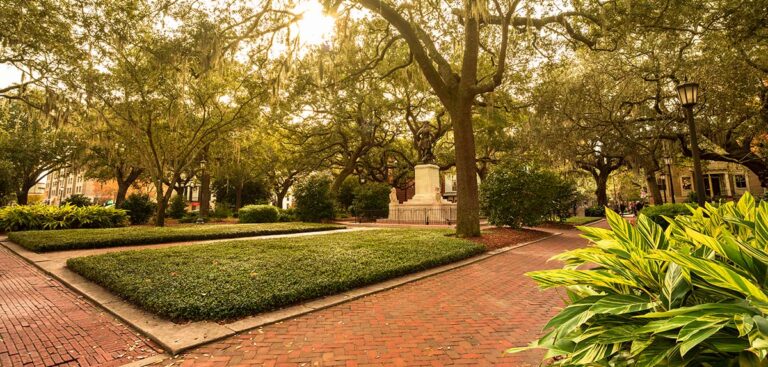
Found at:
(372, 200)
(193, 217)
(693, 295)
(45, 217)
(221, 211)
(346, 195)
(69, 239)
(258, 214)
(140, 208)
(287, 215)
(78, 200)
(595, 211)
(178, 207)
(314, 202)
(657, 213)
(514, 195)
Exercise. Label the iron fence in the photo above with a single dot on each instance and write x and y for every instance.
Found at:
(444, 215)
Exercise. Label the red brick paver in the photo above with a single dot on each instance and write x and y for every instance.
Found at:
(468, 316)
(42, 323)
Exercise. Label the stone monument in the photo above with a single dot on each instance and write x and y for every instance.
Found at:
(427, 205)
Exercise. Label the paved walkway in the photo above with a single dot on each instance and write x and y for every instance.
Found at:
(42, 323)
(466, 316)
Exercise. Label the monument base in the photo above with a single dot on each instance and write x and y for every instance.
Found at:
(427, 206)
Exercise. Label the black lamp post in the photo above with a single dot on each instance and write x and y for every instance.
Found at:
(663, 178)
(688, 93)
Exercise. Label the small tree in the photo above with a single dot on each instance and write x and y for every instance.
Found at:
(314, 202)
(371, 200)
(517, 195)
(346, 195)
(140, 208)
(178, 207)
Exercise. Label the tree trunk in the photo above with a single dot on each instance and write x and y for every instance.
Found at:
(22, 197)
(281, 193)
(653, 187)
(468, 206)
(205, 194)
(601, 192)
(162, 203)
(336, 185)
(122, 191)
(239, 195)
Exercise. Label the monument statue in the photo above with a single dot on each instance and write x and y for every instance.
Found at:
(393, 196)
(425, 137)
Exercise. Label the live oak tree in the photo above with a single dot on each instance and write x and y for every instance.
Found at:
(169, 95)
(31, 146)
(462, 49)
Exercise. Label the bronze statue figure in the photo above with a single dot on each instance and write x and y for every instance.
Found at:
(425, 137)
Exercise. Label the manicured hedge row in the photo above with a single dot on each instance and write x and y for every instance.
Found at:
(257, 214)
(45, 241)
(657, 212)
(46, 217)
(223, 281)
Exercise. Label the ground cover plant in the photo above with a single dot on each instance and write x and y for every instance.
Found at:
(45, 241)
(577, 221)
(48, 217)
(657, 213)
(239, 278)
(693, 295)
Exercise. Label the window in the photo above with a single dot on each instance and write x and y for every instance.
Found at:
(741, 181)
(662, 184)
(687, 183)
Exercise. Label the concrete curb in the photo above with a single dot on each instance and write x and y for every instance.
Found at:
(175, 338)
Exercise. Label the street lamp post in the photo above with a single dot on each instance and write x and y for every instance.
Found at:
(668, 162)
(664, 180)
(688, 93)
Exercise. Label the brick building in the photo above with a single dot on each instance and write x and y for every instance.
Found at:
(722, 180)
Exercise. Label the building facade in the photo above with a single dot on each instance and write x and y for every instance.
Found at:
(61, 184)
(722, 180)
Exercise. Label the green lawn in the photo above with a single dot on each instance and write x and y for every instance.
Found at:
(577, 221)
(69, 239)
(234, 279)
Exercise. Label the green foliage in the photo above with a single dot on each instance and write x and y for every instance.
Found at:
(140, 208)
(372, 200)
(70, 239)
(595, 211)
(253, 192)
(46, 217)
(577, 221)
(657, 213)
(693, 295)
(241, 278)
(34, 147)
(178, 207)
(515, 195)
(314, 201)
(78, 200)
(221, 211)
(287, 215)
(257, 214)
(346, 195)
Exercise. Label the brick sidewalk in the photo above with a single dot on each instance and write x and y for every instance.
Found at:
(42, 323)
(466, 316)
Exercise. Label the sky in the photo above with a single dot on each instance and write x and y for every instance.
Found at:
(8, 75)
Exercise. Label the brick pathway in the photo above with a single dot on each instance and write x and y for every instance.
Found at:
(468, 316)
(42, 323)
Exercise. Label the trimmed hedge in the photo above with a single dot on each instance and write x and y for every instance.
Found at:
(657, 213)
(45, 241)
(595, 211)
(47, 217)
(224, 281)
(258, 214)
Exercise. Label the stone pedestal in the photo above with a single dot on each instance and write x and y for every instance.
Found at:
(427, 206)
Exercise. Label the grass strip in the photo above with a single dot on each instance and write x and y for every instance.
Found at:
(223, 281)
(72, 239)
